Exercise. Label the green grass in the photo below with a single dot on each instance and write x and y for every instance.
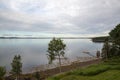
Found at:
(108, 75)
(109, 70)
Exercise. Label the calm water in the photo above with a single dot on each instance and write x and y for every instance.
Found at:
(33, 51)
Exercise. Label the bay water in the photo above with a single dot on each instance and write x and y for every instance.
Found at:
(33, 51)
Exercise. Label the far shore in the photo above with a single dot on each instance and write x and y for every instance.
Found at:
(9, 37)
(99, 39)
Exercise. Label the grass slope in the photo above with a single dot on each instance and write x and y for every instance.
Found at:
(109, 70)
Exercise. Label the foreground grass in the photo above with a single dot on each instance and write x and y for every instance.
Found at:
(108, 75)
(109, 70)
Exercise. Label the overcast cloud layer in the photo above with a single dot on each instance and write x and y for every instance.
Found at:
(59, 17)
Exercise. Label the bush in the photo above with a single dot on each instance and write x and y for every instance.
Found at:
(2, 72)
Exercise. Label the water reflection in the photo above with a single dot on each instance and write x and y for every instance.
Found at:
(33, 51)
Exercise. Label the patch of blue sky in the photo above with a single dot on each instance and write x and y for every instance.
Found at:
(2, 6)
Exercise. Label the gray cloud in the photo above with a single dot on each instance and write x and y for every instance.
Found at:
(75, 17)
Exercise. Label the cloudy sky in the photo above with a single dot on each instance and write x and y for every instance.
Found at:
(59, 17)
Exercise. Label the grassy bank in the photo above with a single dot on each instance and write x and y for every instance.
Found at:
(109, 70)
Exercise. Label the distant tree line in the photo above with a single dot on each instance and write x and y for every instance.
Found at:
(101, 39)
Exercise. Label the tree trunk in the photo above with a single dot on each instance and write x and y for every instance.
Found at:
(106, 56)
(17, 77)
(59, 63)
(107, 51)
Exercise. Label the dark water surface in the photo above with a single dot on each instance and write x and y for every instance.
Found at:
(33, 51)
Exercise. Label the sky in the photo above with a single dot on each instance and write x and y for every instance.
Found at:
(59, 17)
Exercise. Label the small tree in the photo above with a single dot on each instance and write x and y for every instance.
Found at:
(56, 49)
(2, 72)
(16, 66)
(106, 49)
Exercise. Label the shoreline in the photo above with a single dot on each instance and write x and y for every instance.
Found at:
(50, 72)
(65, 62)
(53, 71)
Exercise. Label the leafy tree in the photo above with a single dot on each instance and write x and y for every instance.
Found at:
(2, 72)
(114, 50)
(16, 66)
(115, 35)
(56, 49)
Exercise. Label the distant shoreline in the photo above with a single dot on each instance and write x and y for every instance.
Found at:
(45, 37)
(93, 39)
